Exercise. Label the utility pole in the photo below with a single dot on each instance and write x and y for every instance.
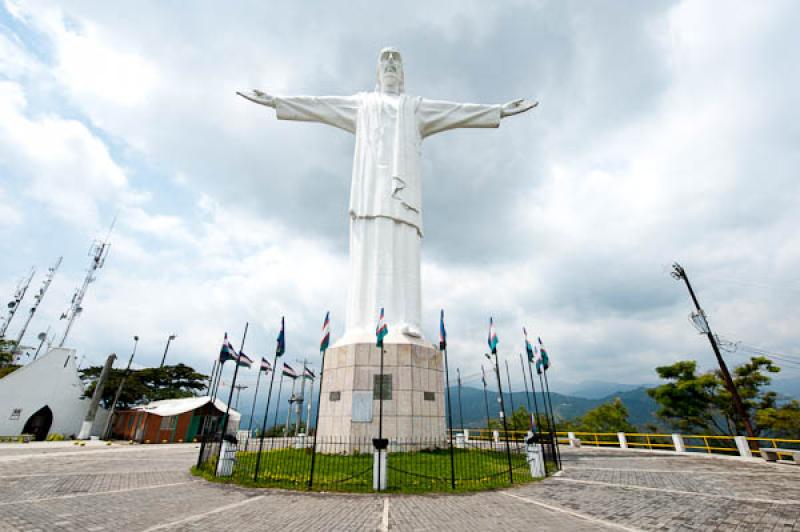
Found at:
(88, 421)
(701, 322)
(51, 272)
(239, 388)
(107, 429)
(42, 336)
(164, 357)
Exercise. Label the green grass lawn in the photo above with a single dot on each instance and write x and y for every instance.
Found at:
(408, 472)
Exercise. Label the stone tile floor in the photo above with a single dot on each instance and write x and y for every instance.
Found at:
(59, 486)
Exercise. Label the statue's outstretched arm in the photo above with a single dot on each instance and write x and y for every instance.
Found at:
(516, 107)
(258, 97)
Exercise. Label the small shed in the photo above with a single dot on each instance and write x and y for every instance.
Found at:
(172, 420)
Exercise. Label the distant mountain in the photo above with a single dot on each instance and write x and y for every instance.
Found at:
(597, 389)
(641, 408)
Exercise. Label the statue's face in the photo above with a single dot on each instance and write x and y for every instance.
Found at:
(390, 70)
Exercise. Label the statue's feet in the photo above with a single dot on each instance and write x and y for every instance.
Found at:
(411, 330)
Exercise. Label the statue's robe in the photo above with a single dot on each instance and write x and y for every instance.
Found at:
(385, 196)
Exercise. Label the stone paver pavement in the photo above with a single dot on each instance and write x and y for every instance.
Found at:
(121, 487)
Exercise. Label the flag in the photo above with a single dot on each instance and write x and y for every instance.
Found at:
(493, 340)
(442, 333)
(308, 374)
(288, 371)
(227, 352)
(244, 360)
(326, 333)
(281, 349)
(265, 365)
(528, 346)
(542, 360)
(382, 330)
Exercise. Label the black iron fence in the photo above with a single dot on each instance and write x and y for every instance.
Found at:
(346, 464)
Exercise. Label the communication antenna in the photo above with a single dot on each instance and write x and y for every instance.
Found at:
(13, 305)
(51, 272)
(98, 252)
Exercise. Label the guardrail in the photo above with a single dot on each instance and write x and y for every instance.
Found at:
(702, 443)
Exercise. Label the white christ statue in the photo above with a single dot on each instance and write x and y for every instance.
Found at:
(386, 188)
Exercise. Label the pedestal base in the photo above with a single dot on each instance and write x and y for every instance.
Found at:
(412, 412)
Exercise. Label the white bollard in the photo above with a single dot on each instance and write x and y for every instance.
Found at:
(226, 459)
(677, 441)
(466, 435)
(496, 436)
(623, 441)
(300, 441)
(743, 446)
(379, 465)
(459, 441)
(573, 441)
(536, 460)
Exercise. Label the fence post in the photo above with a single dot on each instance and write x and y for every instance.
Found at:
(623, 442)
(743, 446)
(379, 470)
(536, 460)
(677, 441)
(572, 439)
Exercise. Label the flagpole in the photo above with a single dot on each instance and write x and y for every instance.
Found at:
(460, 409)
(536, 408)
(211, 377)
(289, 413)
(503, 415)
(316, 420)
(230, 396)
(550, 420)
(266, 413)
(527, 392)
(553, 415)
(215, 372)
(485, 396)
(443, 346)
(278, 401)
(510, 394)
(255, 396)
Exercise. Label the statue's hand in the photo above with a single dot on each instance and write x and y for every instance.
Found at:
(259, 97)
(517, 106)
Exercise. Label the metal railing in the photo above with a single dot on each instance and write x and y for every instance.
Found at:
(346, 464)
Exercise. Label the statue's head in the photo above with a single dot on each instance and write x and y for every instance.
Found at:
(390, 71)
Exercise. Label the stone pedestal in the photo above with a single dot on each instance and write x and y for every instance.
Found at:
(349, 404)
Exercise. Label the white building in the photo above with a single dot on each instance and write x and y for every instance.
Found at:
(45, 397)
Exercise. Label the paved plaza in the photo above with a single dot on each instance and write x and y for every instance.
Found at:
(59, 486)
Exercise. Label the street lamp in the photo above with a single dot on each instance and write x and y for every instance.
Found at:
(163, 358)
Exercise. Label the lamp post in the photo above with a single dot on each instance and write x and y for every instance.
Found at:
(163, 358)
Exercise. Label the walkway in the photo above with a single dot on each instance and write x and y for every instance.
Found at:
(59, 486)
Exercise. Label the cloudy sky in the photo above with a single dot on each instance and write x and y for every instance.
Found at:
(666, 131)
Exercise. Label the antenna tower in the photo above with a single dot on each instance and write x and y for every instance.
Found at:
(98, 252)
(13, 305)
(51, 272)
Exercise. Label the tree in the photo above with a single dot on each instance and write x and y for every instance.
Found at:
(608, 417)
(7, 357)
(781, 422)
(145, 385)
(702, 402)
